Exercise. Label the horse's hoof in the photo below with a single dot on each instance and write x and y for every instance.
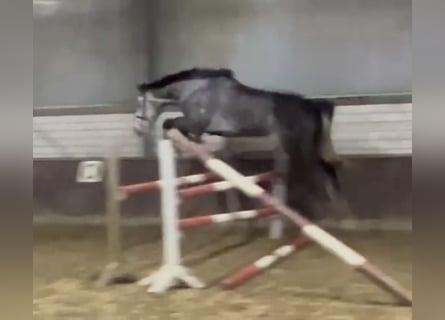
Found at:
(168, 124)
(195, 139)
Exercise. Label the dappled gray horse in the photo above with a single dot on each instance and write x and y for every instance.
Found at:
(216, 103)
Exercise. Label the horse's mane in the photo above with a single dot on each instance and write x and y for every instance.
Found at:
(190, 74)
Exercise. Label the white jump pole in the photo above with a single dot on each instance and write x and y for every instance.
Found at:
(276, 224)
(279, 190)
(171, 272)
(169, 204)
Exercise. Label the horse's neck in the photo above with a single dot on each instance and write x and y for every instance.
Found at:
(182, 90)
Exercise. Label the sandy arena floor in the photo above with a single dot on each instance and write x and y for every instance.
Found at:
(311, 285)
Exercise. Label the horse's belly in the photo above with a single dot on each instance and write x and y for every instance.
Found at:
(230, 127)
(253, 132)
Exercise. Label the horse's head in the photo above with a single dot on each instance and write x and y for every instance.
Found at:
(149, 107)
(170, 90)
(144, 115)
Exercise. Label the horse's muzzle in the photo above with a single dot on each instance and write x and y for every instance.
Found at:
(138, 132)
(141, 126)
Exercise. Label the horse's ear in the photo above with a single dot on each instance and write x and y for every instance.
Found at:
(142, 87)
(228, 73)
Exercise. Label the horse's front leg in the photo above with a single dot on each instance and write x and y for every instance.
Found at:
(185, 127)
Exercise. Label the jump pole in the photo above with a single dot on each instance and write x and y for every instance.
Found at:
(157, 185)
(264, 262)
(219, 186)
(276, 224)
(114, 234)
(226, 217)
(310, 230)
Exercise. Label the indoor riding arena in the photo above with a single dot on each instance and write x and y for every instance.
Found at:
(160, 227)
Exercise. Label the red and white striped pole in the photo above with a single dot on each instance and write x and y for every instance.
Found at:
(157, 185)
(226, 217)
(309, 229)
(219, 186)
(263, 263)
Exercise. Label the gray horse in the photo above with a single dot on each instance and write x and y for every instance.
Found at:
(213, 101)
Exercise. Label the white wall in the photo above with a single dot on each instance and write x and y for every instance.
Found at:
(90, 51)
(357, 130)
(314, 47)
(95, 51)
